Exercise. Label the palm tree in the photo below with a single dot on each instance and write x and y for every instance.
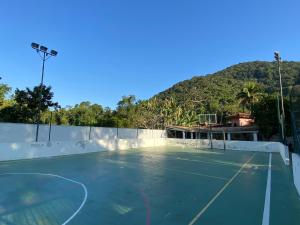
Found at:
(249, 95)
(167, 110)
(190, 118)
(178, 113)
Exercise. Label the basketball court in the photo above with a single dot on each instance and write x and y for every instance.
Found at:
(161, 185)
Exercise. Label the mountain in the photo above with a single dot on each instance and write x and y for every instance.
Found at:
(212, 91)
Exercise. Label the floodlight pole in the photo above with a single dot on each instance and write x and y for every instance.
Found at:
(45, 55)
(278, 59)
(40, 100)
(210, 136)
(50, 127)
(43, 68)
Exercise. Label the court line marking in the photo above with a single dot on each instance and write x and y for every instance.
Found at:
(266, 215)
(206, 162)
(64, 178)
(214, 163)
(197, 174)
(210, 161)
(233, 164)
(194, 220)
(195, 160)
(174, 170)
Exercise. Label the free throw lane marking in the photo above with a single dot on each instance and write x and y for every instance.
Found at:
(64, 178)
(194, 220)
(266, 215)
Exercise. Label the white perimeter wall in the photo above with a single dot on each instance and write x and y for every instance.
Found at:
(14, 132)
(23, 150)
(17, 141)
(296, 170)
(234, 145)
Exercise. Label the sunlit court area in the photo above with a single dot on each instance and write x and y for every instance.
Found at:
(156, 185)
(149, 112)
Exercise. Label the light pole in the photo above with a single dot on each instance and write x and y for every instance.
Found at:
(282, 118)
(44, 54)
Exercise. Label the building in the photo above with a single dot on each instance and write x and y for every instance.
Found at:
(240, 120)
(248, 133)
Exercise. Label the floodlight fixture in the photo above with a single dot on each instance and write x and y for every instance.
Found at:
(277, 56)
(35, 45)
(53, 53)
(43, 48)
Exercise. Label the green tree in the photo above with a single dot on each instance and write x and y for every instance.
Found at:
(85, 114)
(249, 95)
(4, 90)
(61, 117)
(26, 104)
(126, 111)
(40, 96)
(266, 116)
(108, 119)
(148, 114)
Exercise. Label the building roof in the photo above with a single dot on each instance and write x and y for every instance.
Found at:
(217, 129)
(240, 115)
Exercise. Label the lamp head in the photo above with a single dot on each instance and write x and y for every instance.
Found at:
(43, 48)
(35, 45)
(277, 56)
(53, 53)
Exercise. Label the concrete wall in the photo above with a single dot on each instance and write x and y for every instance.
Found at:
(296, 170)
(14, 132)
(17, 141)
(26, 150)
(234, 145)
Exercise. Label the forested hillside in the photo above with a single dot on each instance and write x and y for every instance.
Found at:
(224, 92)
(226, 83)
(217, 93)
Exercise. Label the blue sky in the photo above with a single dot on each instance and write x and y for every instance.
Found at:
(111, 48)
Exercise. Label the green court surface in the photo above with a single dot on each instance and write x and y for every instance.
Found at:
(161, 185)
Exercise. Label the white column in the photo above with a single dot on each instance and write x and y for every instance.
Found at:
(183, 134)
(228, 136)
(192, 135)
(255, 136)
